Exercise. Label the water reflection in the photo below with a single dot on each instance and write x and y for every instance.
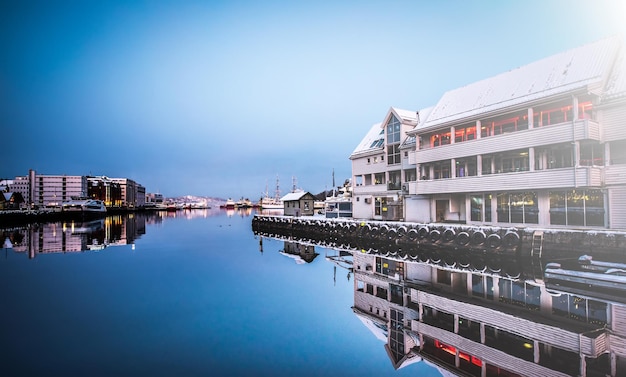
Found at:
(484, 318)
(95, 235)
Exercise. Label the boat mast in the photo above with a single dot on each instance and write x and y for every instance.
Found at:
(277, 193)
(334, 182)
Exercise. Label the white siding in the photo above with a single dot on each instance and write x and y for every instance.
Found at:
(617, 209)
(614, 123)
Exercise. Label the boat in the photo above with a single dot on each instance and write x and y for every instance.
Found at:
(230, 204)
(243, 203)
(268, 202)
(84, 207)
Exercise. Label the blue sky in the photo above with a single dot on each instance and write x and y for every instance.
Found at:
(217, 98)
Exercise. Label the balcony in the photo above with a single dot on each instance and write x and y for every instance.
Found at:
(528, 180)
(584, 129)
(394, 186)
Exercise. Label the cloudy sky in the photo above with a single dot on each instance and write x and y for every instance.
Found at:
(217, 98)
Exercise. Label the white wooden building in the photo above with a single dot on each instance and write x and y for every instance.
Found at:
(541, 145)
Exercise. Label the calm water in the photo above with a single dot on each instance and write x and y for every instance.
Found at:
(185, 294)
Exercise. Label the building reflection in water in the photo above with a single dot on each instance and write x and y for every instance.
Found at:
(299, 252)
(469, 319)
(76, 236)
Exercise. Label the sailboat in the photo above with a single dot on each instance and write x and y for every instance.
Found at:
(268, 202)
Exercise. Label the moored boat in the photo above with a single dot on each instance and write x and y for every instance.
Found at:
(84, 207)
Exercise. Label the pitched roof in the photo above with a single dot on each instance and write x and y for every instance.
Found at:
(294, 196)
(616, 86)
(371, 140)
(584, 67)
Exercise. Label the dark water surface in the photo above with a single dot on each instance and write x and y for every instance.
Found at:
(184, 294)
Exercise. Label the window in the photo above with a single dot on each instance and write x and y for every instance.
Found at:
(441, 169)
(442, 138)
(358, 180)
(520, 294)
(519, 207)
(464, 134)
(505, 124)
(476, 205)
(393, 154)
(580, 309)
(394, 180)
(466, 167)
(513, 161)
(393, 130)
(379, 178)
(487, 165)
(377, 143)
(591, 154)
(577, 207)
(379, 203)
(410, 175)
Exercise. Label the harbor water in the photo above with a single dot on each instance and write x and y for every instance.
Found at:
(190, 293)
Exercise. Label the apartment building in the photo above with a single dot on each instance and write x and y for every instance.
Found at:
(540, 145)
(48, 190)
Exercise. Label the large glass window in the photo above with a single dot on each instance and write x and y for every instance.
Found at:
(580, 309)
(465, 133)
(577, 207)
(466, 167)
(505, 124)
(393, 130)
(379, 203)
(476, 205)
(520, 294)
(394, 180)
(513, 161)
(521, 207)
(393, 154)
(591, 154)
(441, 169)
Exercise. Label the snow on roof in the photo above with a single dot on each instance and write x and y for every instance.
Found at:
(293, 196)
(374, 140)
(574, 69)
(370, 141)
(616, 86)
(406, 115)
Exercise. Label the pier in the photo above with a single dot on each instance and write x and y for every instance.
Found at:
(450, 243)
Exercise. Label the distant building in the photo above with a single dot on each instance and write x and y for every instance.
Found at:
(11, 200)
(48, 190)
(300, 203)
(133, 194)
(40, 190)
(103, 188)
(543, 144)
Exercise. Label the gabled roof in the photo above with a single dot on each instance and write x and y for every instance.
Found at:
(294, 196)
(374, 140)
(585, 67)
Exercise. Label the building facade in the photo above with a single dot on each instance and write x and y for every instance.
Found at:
(40, 190)
(379, 167)
(299, 203)
(540, 145)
